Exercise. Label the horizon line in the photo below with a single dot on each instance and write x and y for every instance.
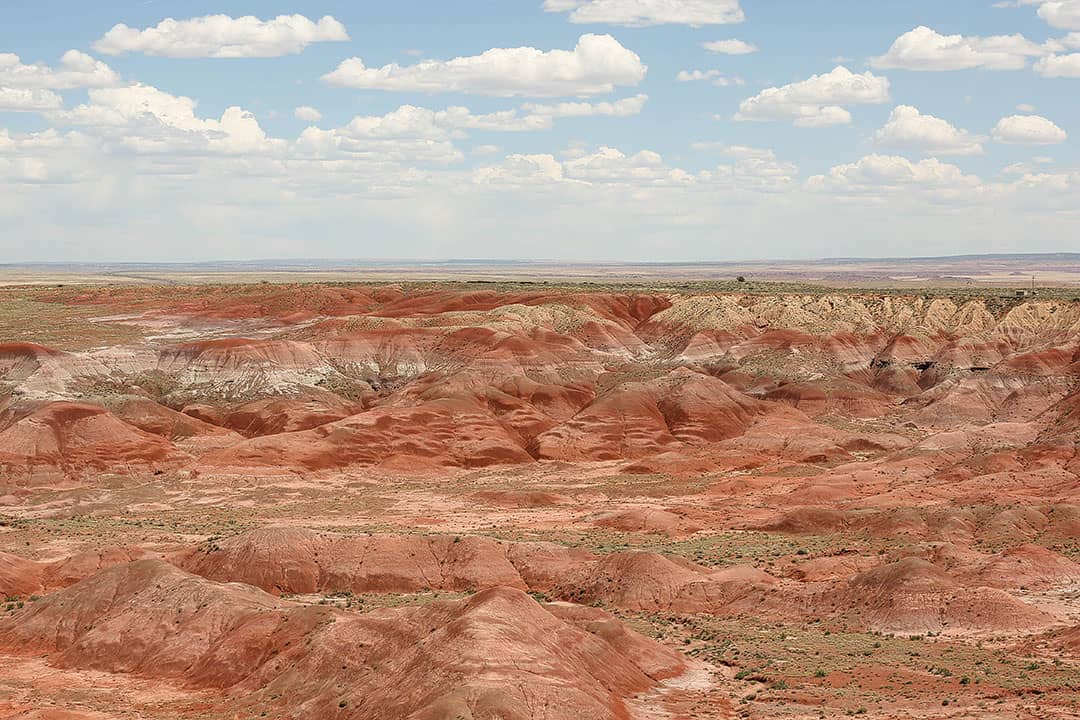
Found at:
(524, 261)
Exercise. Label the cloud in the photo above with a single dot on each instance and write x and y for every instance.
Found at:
(222, 36)
(1059, 66)
(76, 70)
(736, 151)
(439, 123)
(44, 158)
(754, 170)
(1028, 130)
(412, 121)
(81, 204)
(418, 135)
(1026, 168)
(1025, 108)
(597, 65)
(518, 170)
(27, 100)
(308, 114)
(889, 173)
(619, 108)
(604, 166)
(360, 145)
(926, 49)
(1062, 14)
(761, 174)
(716, 77)
(907, 128)
(610, 165)
(730, 47)
(1044, 191)
(1070, 41)
(640, 13)
(816, 101)
(145, 119)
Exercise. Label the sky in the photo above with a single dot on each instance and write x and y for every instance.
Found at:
(578, 130)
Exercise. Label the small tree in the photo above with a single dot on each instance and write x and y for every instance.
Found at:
(740, 279)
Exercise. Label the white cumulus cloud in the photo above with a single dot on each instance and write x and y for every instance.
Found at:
(419, 135)
(817, 101)
(308, 114)
(1028, 130)
(76, 70)
(758, 170)
(412, 121)
(610, 165)
(222, 36)
(754, 170)
(716, 77)
(28, 100)
(366, 144)
(926, 49)
(736, 151)
(145, 119)
(1059, 66)
(626, 107)
(730, 47)
(640, 13)
(907, 128)
(1063, 14)
(521, 170)
(597, 65)
(881, 173)
(45, 158)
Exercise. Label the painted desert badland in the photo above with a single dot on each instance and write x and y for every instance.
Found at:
(538, 501)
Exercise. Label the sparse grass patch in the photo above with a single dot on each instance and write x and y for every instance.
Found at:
(26, 319)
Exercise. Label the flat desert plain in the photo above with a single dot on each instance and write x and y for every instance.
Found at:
(537, 501)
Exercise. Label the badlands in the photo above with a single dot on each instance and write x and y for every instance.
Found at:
(537, 501)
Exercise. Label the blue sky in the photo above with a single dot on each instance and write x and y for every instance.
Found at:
(750, 162)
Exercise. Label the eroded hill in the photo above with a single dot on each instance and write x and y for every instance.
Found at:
(428, 502)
